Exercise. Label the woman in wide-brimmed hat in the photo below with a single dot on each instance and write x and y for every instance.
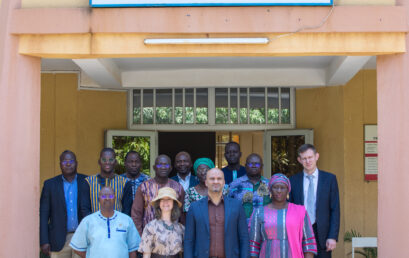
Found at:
(163, 236)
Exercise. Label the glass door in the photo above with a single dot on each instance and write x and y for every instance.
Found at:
(280, 150)
(143, 142)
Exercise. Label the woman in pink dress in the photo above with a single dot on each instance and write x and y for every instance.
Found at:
(281, 229)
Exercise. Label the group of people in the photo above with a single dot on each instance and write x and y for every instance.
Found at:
(230, 213)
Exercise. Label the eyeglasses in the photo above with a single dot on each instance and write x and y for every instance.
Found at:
(254, 164)
(162, 165)
(107, 196)
(67, 162)
(111, 160)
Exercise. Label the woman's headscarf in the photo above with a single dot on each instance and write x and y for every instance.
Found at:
(279, 178)
(201, 161)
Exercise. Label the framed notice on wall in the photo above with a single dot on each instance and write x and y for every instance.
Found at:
(371, 152)
(144, 3)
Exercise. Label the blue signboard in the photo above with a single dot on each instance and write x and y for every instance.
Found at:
(146, 3)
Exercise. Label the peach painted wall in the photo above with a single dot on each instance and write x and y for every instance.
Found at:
(76, 120)
(393, 148)
(337, 115)
(19, 143)
(85, 3)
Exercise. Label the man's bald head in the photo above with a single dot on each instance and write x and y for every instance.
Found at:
(106, 190)
(162, 156)
(215, 180)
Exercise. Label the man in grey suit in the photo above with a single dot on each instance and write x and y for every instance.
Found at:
(216, 225)
(317, 190)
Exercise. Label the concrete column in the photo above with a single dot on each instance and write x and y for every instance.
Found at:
(393, 148)
(19, 144)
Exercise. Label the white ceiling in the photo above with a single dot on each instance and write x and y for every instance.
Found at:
(301, 71)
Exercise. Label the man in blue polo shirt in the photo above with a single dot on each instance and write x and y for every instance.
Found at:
(106, 233)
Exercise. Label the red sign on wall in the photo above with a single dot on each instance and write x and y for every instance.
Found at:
(371, 152)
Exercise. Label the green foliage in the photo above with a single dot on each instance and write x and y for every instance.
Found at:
(201, 115)
(368, 252)
(257, 116)
(43, 255)
(123, 144)
(164, 115)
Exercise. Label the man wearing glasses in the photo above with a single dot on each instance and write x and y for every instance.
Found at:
(106, 177)
(60, 208)
(251, 189)
(107, 232)
(142, 210)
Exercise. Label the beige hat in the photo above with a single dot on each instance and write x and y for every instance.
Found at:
(166, 192)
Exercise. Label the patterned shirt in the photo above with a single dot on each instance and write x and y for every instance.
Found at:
(136, 182)
(102, 237)
(96, 182)
(142, 210)
(251, 195)
(160, 238)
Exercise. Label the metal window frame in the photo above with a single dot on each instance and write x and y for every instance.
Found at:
(211, 123)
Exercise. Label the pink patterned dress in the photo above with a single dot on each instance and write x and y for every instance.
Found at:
(269, 234)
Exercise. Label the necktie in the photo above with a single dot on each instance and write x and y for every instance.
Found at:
(234, 174)
(311, 199)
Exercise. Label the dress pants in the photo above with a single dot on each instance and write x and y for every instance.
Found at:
(321, 253)
(66, 251)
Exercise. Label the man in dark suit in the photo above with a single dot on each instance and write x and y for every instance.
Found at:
(216, 225)
(60, 208)
(318, 191)
(183, 166)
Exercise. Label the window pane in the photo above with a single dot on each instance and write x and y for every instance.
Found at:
(285, 106)
(189, 106)
(163, 106)
(272, 104)
(148, 106)
(178, 106)
(233, 106)
(243, 106)
(136, 112)
(123, 144)
(221, 105)
(201, 106)
(284, 154)
(257, 106)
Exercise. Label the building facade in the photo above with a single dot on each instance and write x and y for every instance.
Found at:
(69, 72)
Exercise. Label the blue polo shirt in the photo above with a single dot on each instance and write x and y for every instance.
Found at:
(102, 237)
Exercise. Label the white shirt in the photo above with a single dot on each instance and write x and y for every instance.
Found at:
(306, 183)
(185, 183)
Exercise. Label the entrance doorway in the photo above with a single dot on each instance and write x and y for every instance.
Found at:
(197, 144)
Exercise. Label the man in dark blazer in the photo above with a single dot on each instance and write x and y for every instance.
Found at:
(183, 166)
(60, 208)
(318, 191)
(216, 225)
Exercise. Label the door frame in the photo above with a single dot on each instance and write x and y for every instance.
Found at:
(309, 138)
(153, 135)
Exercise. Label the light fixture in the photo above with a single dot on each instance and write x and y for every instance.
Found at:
(207, 41)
